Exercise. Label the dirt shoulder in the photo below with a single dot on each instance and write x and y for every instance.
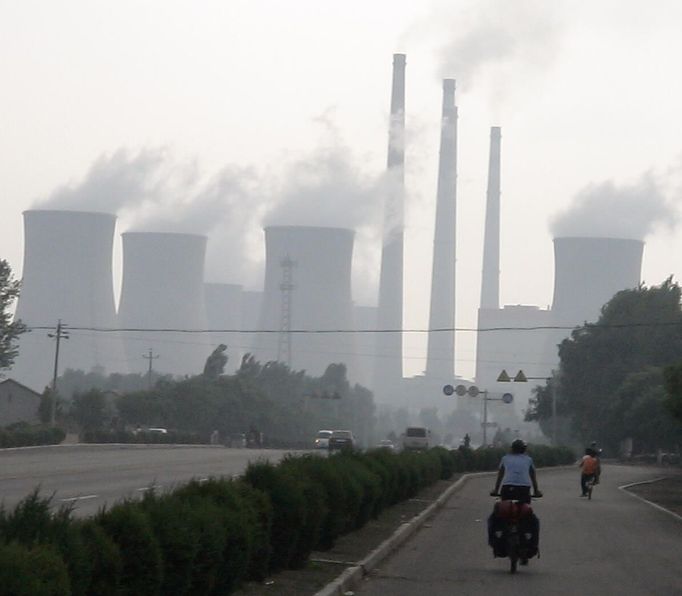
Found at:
(323, 567)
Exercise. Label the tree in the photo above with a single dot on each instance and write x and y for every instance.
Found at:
(673, 388)
(597, 386)
(9, 331)
(89, 409)
(215, 363)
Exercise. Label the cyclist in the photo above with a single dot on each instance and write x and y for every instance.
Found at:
(589, 469)
(516, 475)
(514, 480)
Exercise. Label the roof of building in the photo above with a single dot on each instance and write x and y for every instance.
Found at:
(18, 384)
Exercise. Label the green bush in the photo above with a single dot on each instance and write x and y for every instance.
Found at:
(258, 509)
(288, 502)
(178, 539)
(32, 523)
(129, 528)
(32, 571)
(105, 559)
(26, 435)
(211, 546)
(447, 462)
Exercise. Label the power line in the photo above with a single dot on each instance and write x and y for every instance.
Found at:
(366, 331)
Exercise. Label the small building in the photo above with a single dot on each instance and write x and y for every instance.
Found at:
(18, 403)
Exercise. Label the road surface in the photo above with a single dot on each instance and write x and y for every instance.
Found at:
(88, 476)
(612, 545)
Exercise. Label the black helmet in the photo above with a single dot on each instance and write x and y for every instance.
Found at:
(518, 446)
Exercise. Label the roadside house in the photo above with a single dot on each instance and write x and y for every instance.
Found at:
(18, 403)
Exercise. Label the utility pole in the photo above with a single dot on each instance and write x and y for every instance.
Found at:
(58, 335)
(150, 357)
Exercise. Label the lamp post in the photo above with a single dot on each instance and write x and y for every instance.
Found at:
(58, 335)
(520, 377)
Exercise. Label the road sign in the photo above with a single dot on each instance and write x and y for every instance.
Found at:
(448, 390)
(504, 377)
(520, 377)
(507, 398)
(461, 390)
(473, 391)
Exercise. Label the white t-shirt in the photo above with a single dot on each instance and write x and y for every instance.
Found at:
(516, 469)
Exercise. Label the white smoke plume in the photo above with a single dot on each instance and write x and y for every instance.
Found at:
(114, 182)
(606, 210)
(495, 38)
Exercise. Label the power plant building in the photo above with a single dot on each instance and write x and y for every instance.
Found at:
(307, 290)
(162, 303)
(67, 275)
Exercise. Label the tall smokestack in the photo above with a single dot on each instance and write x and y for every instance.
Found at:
(490, 281)
(67, 275)
(389, 355)
(441, 345)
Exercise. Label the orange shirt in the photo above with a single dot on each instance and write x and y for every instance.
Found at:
(589, 465)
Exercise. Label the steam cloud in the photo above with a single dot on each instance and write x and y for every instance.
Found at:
(152, 191)
(496, 35)
(605, 210)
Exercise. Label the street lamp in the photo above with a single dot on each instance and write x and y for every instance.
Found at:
(520, 377)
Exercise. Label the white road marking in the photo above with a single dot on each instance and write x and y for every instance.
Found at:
(655, 505)
(83, 498)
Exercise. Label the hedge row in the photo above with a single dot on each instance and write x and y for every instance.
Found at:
(114, 436)
(24, 435)
(208, 537)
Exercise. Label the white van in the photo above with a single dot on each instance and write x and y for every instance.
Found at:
(416, 438)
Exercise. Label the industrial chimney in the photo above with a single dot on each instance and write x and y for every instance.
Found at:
(490, 280)
(588, 272)
(441, 344)
(163, 289)
(389, 358)
(307, 287)
(67, 275)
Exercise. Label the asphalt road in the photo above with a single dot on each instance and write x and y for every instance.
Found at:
(612, 545)
(88, 476)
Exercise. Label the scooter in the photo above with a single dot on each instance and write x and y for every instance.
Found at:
(515, 523)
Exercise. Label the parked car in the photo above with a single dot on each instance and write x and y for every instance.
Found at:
(341, 439)
(416, 438)
(387, 444)
(322, 439)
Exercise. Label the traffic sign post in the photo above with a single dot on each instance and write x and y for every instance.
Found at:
(521, 377)
(474, 391)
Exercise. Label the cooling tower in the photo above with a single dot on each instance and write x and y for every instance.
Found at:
(307, 287)
(440, 360)
(588, 272)
(490, 279)
(388, 360)
(67, 275)
(224, 312)
(163, 288)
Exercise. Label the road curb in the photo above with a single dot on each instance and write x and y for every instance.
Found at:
(352, 576)
(625, 487)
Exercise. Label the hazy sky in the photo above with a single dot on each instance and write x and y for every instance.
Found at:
(218, 115)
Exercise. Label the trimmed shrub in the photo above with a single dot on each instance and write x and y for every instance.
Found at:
(447, 462)
(105, 559)
(32, 523)
(178, 540)
(129, 527)
(32, 571)
(211, 546)
(25, 435)
(258, 509)
(288, 502)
